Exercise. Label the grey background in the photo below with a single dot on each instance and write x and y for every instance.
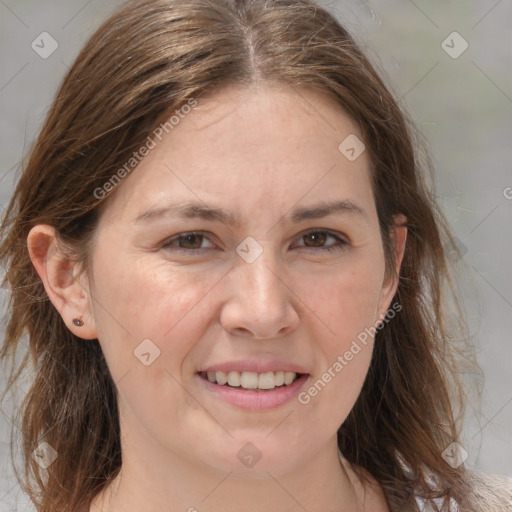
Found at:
(463, 106)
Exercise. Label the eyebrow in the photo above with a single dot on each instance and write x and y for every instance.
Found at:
(193, 210)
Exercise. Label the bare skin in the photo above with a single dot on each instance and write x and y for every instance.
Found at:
(258, 154)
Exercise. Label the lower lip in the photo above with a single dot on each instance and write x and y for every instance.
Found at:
(255, 400)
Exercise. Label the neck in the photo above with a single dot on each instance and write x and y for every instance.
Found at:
(168, 482)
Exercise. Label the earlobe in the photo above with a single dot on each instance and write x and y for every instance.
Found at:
(70, 297)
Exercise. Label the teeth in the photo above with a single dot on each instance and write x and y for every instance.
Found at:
(252, 380)
(234, 379)
(266, 380)
(249, 380)
(288, 378)
(279, 378)
(221, 378)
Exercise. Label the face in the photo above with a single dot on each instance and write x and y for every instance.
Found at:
(245, 244)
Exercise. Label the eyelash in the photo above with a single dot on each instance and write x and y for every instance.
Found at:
(340, 242)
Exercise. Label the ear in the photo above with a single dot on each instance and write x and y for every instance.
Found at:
(69, 295)
(399, 237)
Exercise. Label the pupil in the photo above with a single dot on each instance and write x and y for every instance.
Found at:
(188, 241)
(317, 237)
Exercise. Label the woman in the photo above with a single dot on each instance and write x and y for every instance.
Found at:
(231, 270)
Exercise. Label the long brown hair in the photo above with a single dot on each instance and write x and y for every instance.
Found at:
(149, 58)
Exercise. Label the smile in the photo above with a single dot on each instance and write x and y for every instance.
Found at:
(253, 391)
(252, 380)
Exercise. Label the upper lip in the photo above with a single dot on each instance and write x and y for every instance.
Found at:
(253, 365)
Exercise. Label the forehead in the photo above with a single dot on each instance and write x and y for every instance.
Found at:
(271, 114)
(271, 144)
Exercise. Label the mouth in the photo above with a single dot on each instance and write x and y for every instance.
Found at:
(253, 381)
(251, 390)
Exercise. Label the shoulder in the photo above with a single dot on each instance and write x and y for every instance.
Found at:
(490, 493)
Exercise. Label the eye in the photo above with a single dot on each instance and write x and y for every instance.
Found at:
(316, 239)
(188, 242)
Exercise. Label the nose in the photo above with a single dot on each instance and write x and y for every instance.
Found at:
(261, 303)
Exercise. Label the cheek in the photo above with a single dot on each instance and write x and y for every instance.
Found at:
(344, 301)
(137, 302)
(148, 299)
(345, 307)
(333, 391)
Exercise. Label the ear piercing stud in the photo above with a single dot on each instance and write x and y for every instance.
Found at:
(78, 322)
